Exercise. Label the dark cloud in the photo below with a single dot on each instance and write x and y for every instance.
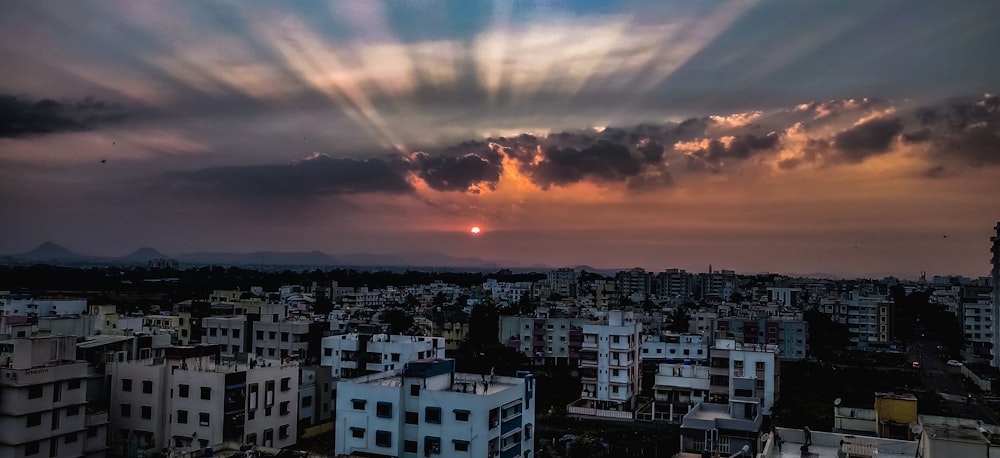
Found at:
(462, 173)
(741, 147)
(977, 145)
(23, 117)
(603, 161)
(868, 138)
(315, 176)
(919, 136)
(650, 150)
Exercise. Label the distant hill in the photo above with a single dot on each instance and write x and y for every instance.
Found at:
(49, 252)
(52, 253)
(143, 254)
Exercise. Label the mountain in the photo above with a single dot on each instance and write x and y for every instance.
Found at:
(307, 258)
(143, 255)
(51, 252)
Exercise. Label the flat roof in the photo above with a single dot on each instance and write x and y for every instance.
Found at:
(955, 433)
(97, 341)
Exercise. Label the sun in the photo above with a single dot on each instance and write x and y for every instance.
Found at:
(475, 230)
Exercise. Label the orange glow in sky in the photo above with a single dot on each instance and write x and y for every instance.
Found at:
(474, 230)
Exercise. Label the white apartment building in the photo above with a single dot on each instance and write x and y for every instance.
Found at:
(554, 341)
(266, 330)
(229, 332)
(731, 360)
(43, 401)
(354, 355)
(427, 409)
(27, 305)
(362, 298)
(610, 369)
(188, 400)
(677, 387)
(672, 346)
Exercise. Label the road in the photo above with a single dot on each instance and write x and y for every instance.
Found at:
(939, 379)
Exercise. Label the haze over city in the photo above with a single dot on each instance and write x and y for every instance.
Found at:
(846, 138)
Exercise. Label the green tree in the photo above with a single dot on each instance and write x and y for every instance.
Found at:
(680, 320)
(586, 446)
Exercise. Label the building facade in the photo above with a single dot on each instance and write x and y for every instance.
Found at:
(610, 368)
(189, 400)
(427, 409)
(43, 401)
(354, 355)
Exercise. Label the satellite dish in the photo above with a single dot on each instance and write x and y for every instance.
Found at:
(837, 402)
(916, 428)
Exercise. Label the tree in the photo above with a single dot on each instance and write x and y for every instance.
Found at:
(586, 446)
(399, 321)
(680, 320)
(323, 305)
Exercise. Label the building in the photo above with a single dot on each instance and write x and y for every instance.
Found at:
(674, 285)
(789, 333)
(635, 283)
(162, 263)
(450, 324)
(610, 369)
(727, 427)
(354, 355)
(43, 401)
(428, 409)
(869, 317)
(995, 275)
(731, 361)
(670, 346)
(190, 399)
(316, 400)
(552, 341)
(563, 281)
(27, 305)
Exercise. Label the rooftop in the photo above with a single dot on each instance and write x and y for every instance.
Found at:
(826, 444)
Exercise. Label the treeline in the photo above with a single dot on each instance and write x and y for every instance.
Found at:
(196, 283)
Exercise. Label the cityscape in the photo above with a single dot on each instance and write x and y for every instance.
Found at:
(504, 229)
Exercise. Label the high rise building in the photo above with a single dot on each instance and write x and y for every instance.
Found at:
(995, 274)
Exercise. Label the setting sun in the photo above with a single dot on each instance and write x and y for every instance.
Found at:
(474, 230)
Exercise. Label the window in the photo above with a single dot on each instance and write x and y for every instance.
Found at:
(206, 393)
(92, 431)
(432, 415)
(34, 419)
(307, 401)
(236, 333)
(383, 438)
(212, 331)
(358, 404)
(410, 446)
(252, 439)
(146, 412)
(395, 356)
(126, 410)
(383, 409)
(203, 418)
(357, 433)
(284, 408)
(412, 418)
(461, 415)
(432, 444)
(182, 417)
(70, 438)
(414, 390)
(286, 384)
(73, 384)
(72, 410)
(760, 365)
(283, 432)
(126, 384)
(460, 445)
(147, 386)
(183, 390)
(31, 448)
(327, 352)
(34, 391)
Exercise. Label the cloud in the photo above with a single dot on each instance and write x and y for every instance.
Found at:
(314, 176)
(919, 136)
(712, 153)
(21, 117)
(603, 161)
(868, 138)
(469, 172)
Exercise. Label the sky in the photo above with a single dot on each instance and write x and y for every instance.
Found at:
(844, 137)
